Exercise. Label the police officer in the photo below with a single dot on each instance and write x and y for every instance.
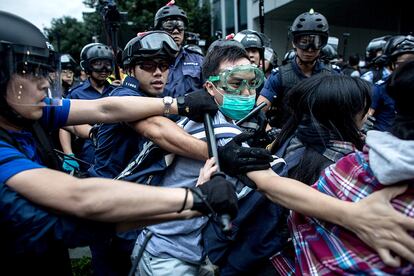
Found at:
(42, 210)
(310, 33)
(253, 43)
(185, 72)
(397, 50)
(376, 66)
(97, 60)
(68, 66)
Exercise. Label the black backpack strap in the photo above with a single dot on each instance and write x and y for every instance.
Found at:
(5, 136)
(45, 148)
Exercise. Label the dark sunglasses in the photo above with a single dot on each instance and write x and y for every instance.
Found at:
(151, 66)
(170, 25)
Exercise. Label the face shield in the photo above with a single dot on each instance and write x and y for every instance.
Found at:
(305, 42)
(34, 76)
(235, 80)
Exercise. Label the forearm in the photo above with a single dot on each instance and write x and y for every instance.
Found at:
(301, 198)
(97, 198)
(166, 134)
(81, 131)
(65, 141)
(125, 226)
(116, 109)
(262, 99)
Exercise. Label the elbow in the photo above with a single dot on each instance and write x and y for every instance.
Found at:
(82, 203)
(151, 128)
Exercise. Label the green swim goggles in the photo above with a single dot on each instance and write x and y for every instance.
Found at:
(234, 80)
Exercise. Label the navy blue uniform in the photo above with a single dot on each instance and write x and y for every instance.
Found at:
(185, 74)
(85, 91)
(281, 80)
(33, 240)
(116, 145)
(383, 105)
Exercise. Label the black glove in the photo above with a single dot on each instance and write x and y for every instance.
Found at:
(219, 194)
(194, 105)
(368, 124)
(93, 134)
(235, 159)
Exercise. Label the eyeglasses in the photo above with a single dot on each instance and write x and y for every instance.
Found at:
(306, 42)
(170, 25)
(235, 80)
(151, 66)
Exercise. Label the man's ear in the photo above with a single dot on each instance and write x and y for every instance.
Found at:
(209, 87)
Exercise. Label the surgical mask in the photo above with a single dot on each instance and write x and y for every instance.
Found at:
(237, 107)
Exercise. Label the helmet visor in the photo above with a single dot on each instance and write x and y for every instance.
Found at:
(156, 42)
(35, 77)
(306, 42)
(170, 25)
(235, 80)
(102, 65)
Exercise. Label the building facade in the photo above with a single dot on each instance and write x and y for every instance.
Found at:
(353, 22)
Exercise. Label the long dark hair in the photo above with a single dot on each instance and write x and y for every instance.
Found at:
(401, 89)
(327, 107)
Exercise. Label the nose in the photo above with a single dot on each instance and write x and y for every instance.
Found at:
(245, 91)
(157, 71)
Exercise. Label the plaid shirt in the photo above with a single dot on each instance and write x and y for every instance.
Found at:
(322, 248)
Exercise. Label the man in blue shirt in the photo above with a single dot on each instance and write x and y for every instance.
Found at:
(185, 71)
(310, 34)
(146, 59)
(42, 210)
(97, 60)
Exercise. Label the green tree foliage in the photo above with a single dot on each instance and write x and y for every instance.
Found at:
(69, 35)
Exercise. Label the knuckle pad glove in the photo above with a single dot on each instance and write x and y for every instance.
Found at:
(219, 194)
(235, 159)
(194, 105)
(70, 164)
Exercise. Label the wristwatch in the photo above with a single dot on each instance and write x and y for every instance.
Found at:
(168, 101)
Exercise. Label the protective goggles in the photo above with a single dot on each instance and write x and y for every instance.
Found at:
(306, 42)
(31, 69)
(151, 66)
(156, 42)
(102, 65)
(234, 80)
(170, 25)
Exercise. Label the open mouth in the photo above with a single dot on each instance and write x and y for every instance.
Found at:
(158, 84)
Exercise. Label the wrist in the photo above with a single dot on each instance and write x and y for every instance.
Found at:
(347, 216)
(180, 105)
(174, 107)
(190, 201)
